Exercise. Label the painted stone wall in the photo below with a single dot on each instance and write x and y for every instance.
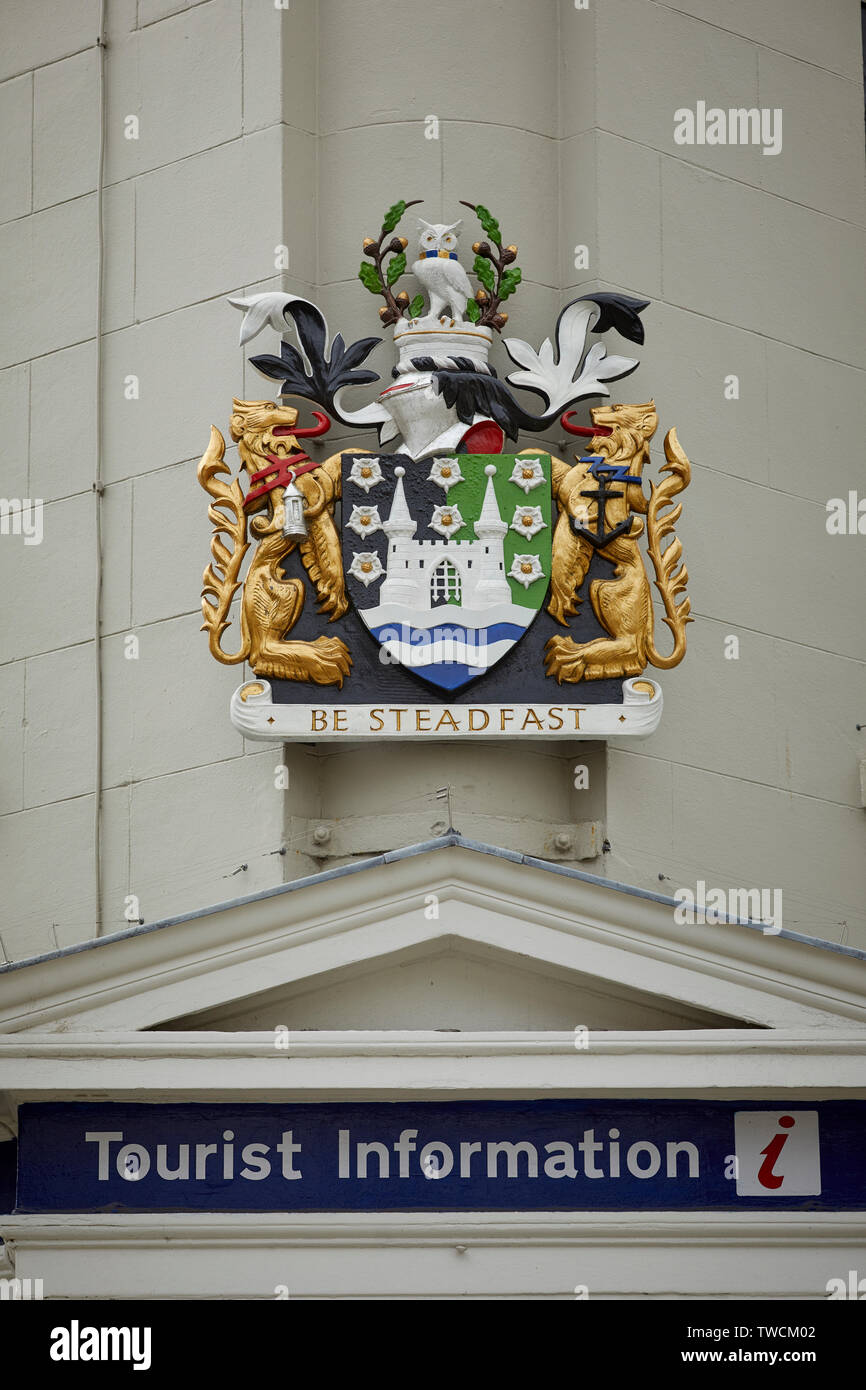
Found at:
(754, 263)
(251, 147)
(193, 209)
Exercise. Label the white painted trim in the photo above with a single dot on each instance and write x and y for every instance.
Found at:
(238, 1067)
(397, 1255)
(436, 1228)
(573, 925)
(408, 1042)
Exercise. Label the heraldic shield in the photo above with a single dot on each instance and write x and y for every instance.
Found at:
(447, 559)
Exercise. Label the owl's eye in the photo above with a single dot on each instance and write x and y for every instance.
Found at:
(449, 242)
(428, 238)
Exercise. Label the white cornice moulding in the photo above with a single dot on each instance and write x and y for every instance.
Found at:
(571, 923)
(97, 1230)
(411, 1042)
(237, 1068)
(399, 1255)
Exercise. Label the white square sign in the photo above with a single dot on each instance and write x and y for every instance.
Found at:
(778, 1153)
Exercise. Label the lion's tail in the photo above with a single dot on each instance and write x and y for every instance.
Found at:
(220, 582)
(671, 577)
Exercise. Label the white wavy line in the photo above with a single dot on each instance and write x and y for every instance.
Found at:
(478, 656)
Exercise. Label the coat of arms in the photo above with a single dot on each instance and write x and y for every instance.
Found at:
(449, 576)
(441, 579)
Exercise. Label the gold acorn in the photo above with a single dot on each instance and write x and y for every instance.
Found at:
(481, 296)
(509, 254)
(369, 246)
(481, 248)
(403, 299)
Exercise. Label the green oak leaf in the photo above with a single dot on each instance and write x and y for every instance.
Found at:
(473, 310)
(393, 215)
(396, 267)
(369, 276)
(489, 223)
(484, 270)
(511, 278)
(416, 306)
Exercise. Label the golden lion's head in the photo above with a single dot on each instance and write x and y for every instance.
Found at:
(631, 427)
(262, 428)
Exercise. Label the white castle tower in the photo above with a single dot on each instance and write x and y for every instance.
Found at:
(422, 575)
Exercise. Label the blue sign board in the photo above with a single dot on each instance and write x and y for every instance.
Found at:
(8, 1165)
(529, 1155)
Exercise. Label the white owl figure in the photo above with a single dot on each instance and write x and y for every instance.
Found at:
(439, 271)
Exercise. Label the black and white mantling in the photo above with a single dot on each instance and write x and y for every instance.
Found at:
(561, 373)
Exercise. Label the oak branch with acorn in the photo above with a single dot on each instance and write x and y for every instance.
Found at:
(379, 277)
(495, 269)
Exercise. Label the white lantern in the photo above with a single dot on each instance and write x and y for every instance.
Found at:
(293, 505)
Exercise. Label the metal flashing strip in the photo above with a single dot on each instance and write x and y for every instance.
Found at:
(453, 840)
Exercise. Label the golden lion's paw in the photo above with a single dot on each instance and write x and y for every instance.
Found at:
(563, 660)
(324, 662)
(328, 662)
(611, 670)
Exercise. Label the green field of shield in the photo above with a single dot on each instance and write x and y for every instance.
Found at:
(515, 502)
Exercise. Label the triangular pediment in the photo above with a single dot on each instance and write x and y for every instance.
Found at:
(446, 936)
(451, 984)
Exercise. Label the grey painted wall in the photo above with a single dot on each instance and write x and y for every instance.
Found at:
(261, 128)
